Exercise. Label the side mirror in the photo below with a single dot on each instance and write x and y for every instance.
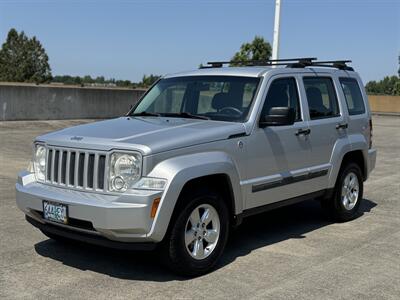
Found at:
(278, 116)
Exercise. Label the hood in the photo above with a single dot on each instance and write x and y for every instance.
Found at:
(148, 135)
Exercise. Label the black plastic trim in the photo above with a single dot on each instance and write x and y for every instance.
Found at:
(260, 209)
(287, 180)
(233, 136)
(89, 238)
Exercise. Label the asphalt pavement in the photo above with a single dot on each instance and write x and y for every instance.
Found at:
(289, 253)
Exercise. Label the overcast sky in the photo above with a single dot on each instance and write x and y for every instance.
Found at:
(126, 39)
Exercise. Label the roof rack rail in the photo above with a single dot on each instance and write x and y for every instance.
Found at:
(289, 63)
(338, 64)
(268, 62)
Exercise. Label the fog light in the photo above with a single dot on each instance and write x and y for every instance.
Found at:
(119, 183)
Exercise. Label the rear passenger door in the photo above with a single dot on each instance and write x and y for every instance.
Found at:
(327, 126)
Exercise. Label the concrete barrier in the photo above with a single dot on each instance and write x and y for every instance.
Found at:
(384, 104)
(19, 101)
(47, 102)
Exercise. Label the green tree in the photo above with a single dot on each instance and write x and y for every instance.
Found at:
(23, 59)
(148, 80)
(258, 49)
(390, 85)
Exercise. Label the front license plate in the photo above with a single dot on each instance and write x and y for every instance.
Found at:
(55, 212)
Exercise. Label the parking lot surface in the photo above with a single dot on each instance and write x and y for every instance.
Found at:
(290, 253)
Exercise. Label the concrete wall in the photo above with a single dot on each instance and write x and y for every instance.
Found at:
(384, 104)
(48, 102)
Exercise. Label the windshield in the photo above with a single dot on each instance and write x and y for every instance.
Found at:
(226, 98)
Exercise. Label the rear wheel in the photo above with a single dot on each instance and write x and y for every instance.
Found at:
(347, 196)
(198, 236)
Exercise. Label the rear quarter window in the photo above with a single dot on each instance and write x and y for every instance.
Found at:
(353, 96)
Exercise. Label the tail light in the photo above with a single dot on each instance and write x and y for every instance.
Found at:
(370, 133)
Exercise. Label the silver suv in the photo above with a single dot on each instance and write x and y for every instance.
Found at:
(199, 152)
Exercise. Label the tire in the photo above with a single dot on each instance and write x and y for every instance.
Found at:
(345, 202)
(178, 254)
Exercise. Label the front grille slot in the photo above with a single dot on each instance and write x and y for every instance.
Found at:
(56, 164)
(90, 172)
(72, 168)
(81, 168)
(101, 171)
(49, 164)
(63, 166)
(76, 169)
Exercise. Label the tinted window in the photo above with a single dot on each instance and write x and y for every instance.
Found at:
(225, 98)
(282, 93)
(353, 96)
(321, 97)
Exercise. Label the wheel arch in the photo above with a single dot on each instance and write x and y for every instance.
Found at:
(219, 183)
(216, 169)
(353, 148)
(358, 157)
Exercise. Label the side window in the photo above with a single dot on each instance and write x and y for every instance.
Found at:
(282, 93)
(321, 97)
(353, 96)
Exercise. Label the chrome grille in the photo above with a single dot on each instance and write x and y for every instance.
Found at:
(80, 169)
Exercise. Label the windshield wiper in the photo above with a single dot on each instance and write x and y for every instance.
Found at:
(145, 114)
(185, 115)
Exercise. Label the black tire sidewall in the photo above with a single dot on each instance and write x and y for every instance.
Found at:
(339, 211)
(177, 257)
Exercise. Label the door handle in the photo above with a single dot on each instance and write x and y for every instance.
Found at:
(303, 132)
(342, 126)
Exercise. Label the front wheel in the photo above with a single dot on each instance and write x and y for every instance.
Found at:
(198, 236)
(347, 196)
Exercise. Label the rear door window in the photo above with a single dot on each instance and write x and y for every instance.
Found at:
(353, 96)
(321, 97)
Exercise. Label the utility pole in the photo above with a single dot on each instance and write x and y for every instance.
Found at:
(275, 45)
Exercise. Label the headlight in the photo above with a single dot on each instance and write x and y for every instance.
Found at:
(125, 169)
(39, 162)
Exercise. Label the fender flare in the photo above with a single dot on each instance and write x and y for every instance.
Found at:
(353, 142)
(178, 171)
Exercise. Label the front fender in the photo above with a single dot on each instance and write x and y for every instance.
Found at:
(181, 169)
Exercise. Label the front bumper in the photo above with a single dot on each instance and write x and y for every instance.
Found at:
(122, 218)
(89, 238)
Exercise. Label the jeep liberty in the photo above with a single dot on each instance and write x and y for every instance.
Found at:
(199, 152)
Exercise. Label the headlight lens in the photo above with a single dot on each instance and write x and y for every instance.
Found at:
(125, 169)
(39, 162)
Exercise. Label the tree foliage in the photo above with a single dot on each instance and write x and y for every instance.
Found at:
(23, 59)
(258, 49)
(96, 81)
(101, 81)
(148, 80)
(390, 85)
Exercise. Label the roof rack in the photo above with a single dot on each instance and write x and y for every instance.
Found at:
(289, 63)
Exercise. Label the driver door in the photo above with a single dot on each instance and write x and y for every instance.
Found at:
(278, 156)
